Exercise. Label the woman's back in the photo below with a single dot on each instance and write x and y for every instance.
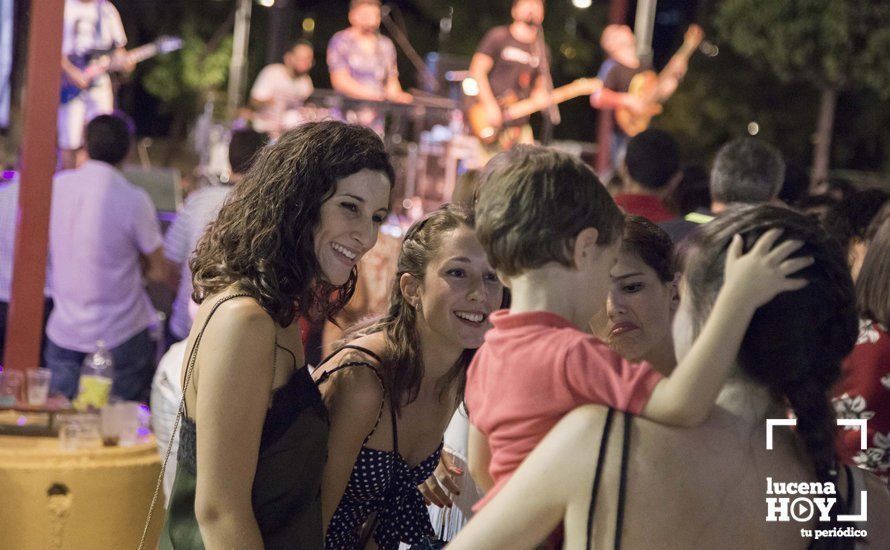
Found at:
(695, 488)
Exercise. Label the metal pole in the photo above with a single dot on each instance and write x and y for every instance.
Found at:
(238, 64)
(644, 26)
(41, 102)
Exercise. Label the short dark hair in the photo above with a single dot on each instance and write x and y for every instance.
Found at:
(356, 3)
(243, 147)
(652, 158)
(747, 170)
(872, 290)
(849, 219)
(651, 244)
(299, 42)
(533, 202)
(108, 139)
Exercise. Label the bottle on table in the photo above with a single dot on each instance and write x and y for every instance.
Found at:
(96, 375)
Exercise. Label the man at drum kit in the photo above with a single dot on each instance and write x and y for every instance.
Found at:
(507, 62)
(280, 89)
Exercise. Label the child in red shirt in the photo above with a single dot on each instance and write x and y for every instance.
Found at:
(552, 232)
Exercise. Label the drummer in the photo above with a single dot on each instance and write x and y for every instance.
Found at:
(280, 89)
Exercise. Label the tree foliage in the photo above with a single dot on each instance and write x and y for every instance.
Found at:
(829, 43)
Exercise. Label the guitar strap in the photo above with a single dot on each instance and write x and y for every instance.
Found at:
(97, 37)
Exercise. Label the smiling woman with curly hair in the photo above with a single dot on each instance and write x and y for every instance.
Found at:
(254, 428)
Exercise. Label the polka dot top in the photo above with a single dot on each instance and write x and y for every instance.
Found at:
(381, 482)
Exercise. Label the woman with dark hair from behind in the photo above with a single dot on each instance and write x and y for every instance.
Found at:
(864, 389)
(254, 428)
(628, 481)
(392, 390)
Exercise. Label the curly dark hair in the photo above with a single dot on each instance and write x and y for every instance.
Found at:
(796, 342)
(263, 238)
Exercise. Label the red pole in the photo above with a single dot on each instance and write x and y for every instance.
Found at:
(41, 102)
(617, 14)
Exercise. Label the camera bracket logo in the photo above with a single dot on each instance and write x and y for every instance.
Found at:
(801, 501)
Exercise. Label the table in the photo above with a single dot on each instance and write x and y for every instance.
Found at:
(70, 500)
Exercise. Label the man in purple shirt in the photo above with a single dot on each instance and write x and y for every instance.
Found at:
(103, 229)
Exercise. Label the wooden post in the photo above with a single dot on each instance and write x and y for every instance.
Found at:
(41, 102)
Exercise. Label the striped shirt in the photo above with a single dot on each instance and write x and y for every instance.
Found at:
(9, 208)
(200, 208)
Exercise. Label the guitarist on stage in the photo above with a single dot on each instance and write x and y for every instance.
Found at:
(506, 62)
(91, 27)
(619, 70)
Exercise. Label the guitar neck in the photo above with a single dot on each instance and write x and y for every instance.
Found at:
(532, 105)
(140, 54)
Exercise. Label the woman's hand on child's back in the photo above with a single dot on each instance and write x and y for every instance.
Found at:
(756, 277)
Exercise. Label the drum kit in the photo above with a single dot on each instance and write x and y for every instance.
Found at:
(427, 138)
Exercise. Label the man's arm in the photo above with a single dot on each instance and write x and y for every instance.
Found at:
(343, 82)
(394, 91)
(74, 74)
(159, 270)
(480, 67)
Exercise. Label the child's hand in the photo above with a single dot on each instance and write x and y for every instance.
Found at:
(757, 277)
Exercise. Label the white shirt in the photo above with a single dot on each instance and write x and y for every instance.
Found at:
(100, 224)
(201, 208)
(83, 31)
(276, 82)
(9, 209)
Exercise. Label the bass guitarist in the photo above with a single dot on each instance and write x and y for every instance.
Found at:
(622, 67)
(91, 27)
(506, 63)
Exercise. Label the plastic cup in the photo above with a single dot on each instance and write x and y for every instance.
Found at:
(11, 382)
(79, 431)
(38, 386)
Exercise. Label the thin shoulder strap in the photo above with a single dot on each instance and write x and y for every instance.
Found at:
(622, 483)
(327, 374)
(604, 443)
(179, 412)
(190, 366)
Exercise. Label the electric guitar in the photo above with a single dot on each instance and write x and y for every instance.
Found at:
(97, 63)
(513, 109)
(645, 86)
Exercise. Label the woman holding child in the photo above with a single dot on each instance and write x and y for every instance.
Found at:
(254, 428)
(549, 225)
(609, 485)
(393, 388)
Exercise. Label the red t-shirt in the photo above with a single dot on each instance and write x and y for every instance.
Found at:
(864, 392)
(532, 370)
(647, 206)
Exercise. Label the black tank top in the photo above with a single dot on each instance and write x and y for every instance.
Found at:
(286, 493)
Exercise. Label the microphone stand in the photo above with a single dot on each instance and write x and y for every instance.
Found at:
(551, 116)
(426, 75)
